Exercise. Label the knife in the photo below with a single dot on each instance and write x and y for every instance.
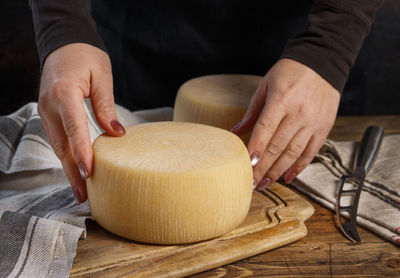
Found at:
(364, 159)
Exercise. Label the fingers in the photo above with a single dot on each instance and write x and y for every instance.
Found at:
(291, 121)
(253, 111)
(306, 157)
(103, 104)
(288, 157)
(65, 120)
(278, 149)
(266, 125)
(59, 141)
(71, 73)
(75, 127)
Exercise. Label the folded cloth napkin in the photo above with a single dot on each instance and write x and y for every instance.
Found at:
(379, 205)
(40, 223)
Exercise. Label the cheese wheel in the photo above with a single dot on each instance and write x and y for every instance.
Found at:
(216, 100)
(170, 182)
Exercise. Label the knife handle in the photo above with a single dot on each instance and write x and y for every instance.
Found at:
(368, 149)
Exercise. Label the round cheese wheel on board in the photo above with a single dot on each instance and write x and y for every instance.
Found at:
(216, 100)
(170, 182)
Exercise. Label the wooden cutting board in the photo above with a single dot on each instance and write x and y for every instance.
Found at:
(276, 218)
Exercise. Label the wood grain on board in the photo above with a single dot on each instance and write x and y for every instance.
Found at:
(275, 219)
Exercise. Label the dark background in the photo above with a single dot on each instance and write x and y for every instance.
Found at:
(373, 87)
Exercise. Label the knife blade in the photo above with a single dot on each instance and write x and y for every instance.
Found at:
(364, 159)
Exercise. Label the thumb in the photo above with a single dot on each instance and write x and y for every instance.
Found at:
(253, 111)
(102, 99)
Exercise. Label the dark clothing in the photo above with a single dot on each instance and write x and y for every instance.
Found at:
(156, 45)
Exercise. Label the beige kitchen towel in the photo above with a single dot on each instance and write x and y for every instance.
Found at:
(379, 206)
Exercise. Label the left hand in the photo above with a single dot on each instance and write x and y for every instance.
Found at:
(292, 112)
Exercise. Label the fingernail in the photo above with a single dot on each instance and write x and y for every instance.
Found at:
(83, 171)
(264, 183)
(254, 157)
(254, 184)
(236, 126)
(290, 178)
(77, 196)
(117, 127)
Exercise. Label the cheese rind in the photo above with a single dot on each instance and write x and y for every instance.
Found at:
(216, 100)
(170, 182)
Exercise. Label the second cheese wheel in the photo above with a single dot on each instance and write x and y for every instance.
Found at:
(170, 182)
(216, 100)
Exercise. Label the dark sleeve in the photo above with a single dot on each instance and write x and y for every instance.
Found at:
(335, 32)
(60, 22)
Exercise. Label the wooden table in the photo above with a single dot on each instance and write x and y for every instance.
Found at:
(325, 252)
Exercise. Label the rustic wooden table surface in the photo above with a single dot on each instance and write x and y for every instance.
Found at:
(324, 252)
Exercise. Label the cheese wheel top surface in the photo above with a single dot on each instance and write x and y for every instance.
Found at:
(222, 89)
(170, 147)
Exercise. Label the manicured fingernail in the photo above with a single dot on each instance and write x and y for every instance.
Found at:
(254, 157)
(236, 126)
(290, 178)
(264, 183)
(117, 127)
(77, 196)
(254, 184)
(83, 171)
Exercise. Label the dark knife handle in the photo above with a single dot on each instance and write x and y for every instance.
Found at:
(368, 149)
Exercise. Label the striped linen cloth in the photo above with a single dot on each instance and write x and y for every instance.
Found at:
(379, 205)
(40, 224)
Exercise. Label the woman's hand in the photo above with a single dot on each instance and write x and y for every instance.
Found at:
(292, 112)
(70, 74)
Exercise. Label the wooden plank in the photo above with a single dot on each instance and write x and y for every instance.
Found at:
(365, 260)
(299, 259)
(275, 218)
(317, 259)
(352, 128)
(210, 255)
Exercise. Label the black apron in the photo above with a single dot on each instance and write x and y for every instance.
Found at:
(157, 45)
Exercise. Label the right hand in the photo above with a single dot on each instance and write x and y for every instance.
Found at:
(70, 74)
